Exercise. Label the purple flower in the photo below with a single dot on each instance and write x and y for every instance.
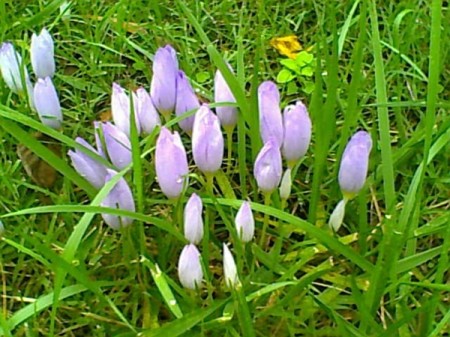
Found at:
(46, 102)
(171, 163)
(148, 117)
(11, 67)
(245, 223)
(355, 164)
(193, 222)
(222, 93)
(270, 120)
(297, 132)
(207, 141)
(164, 81)
(118, 145)
(229, 268)
(189, 267)
(42, 54)
(268, 167)
(119, 197)
(89, 168)
(121, 109)
(186, 101)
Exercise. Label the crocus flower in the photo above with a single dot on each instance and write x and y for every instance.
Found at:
(164, 81)
(89, 168)
(186, 101)
(270, 119)
(148, 117)
(354, 164)
(119, 197)
(245, 223)
(171, 163)
(11, 67)
(207, 140)
(117, 144)
(337, 217)
(222, 93)
(229, 268)
(286, 184)
(297, 132)
(189, 267)
(268, 167)
(46, 102)
(121, 109)
(193, 222)
(42, 54)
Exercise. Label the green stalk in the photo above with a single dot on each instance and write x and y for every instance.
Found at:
(267, 201)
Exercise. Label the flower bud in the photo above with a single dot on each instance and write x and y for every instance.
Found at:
(11, 67)
(42, 54)
(355, 164)
(268, 167)
(147, 116)
(297, 132)
(89, 168)
(171, 163)
(46, 102)
(222, 93)
(286, 184)
(121, 109)
(207, 140)
(119, 197)
(189, 267)
(118, 145)
(193, 222)
(164, 81)
(185, 102)
(245, 223)
(337, 217)
(270, 119)
(229, 268)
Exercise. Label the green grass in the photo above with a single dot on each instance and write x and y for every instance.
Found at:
(381, 66)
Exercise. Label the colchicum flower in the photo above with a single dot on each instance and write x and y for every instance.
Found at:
(268, 167)
(89, 168)
(207, 141)
(270, 119)
(229, 268)
(245, 223)
(185, 102)
(42, 54)
(121, 109)
(193, 222)
(222, 93)
(46, 102)
(297, 132)
(119, 197)
(118, 145)
(147, 115)
(189, 267)
(171, 163)
(164, 81)
(11, 67)
(337, 217)
(355, 164)
(286, 184)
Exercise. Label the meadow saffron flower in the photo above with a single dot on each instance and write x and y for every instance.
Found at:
(229, 268)
(89, 168)
(185, 102)
(170, 163)
(245, 223)
(119, 197)
(46, 102)
(164, 81)
(147, 115)
(42, 54)
(118, 146)
(11, 67)
(270, 119)
(189, 267)
(297, 132)
(121, 109)
(222, 93)
(355, 164)
(207, 141)
(337, 217)
(286, 184)
(193, 221)
(268, 167)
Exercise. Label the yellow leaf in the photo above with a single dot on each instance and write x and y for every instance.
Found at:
(287, 45)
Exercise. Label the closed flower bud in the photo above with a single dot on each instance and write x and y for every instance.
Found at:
(286, 184)
(46, 102)
(189, 267)
(297, 132)
(245, 223)
(164, 81)
(270, 119)
(89, 168)
(337, 217)
(118, 145)
(229, 268)
(171, 163)
(193, 222)
(268, 167)
(147, 116)
(11, 67)
(222, 93)
(355, 164)
(185, 102)
(42, 54)
(207, 140)
(121, 109)
(119, 197)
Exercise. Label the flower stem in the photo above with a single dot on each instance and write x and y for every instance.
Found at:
(229, 133)
(266, 219)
